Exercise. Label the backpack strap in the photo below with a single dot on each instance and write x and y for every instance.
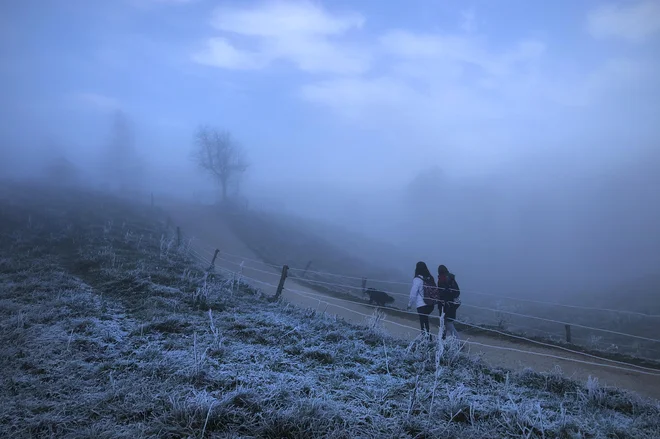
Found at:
(420, 291)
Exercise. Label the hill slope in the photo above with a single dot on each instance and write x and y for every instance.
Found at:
(108, 330)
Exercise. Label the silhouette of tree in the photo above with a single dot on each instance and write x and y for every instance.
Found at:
(217, 153)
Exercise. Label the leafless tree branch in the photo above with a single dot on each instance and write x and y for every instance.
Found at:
(217, 153)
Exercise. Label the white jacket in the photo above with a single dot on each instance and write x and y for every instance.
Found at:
(417, 293)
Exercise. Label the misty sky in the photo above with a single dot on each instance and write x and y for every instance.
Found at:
(376, 89)
(541, 118)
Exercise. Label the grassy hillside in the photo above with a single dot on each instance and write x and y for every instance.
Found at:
(300, 241)
(108, 330)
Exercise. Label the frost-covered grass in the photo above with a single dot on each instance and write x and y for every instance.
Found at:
(108, 330)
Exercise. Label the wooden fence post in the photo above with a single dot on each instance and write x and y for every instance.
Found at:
(280, 287)
(178, 236)
(364, 284)
(215, 255)
(306, 268)
(568, 333)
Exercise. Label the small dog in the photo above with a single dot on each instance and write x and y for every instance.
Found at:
(380, 298)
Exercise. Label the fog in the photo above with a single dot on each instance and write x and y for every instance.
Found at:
(520, 146)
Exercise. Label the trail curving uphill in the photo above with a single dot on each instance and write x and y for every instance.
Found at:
(208, 231)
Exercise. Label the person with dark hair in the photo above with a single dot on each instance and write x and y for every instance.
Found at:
(448, 299)
(422, 280)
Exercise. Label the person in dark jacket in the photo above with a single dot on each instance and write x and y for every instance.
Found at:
(422, 277)
(449, 301)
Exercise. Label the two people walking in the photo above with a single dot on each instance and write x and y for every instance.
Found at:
(426, 294)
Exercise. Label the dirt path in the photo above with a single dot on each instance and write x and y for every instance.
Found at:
(209, 232)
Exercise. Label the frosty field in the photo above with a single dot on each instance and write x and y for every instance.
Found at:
(108, 329)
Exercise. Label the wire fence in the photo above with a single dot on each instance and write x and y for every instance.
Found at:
(401, 283)
(499, 312)
(239, 274)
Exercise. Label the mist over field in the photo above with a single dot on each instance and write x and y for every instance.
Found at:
(212, 214)
(518, 145)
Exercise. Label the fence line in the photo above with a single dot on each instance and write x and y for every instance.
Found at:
(314, 296)
(471, 292)
(564, 358)
(226, 270)
(248, 268)
(623, 334)
(250, 259)
(568, 323)
(401, 294)
(507, 312)
(628, 369)
(517, 299)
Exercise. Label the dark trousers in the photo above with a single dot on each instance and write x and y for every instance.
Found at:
(423, 312)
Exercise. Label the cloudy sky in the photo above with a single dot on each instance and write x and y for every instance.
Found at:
(544, 114)
(372, 89)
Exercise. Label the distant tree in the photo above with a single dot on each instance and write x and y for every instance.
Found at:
(217, 153)
(122, 165)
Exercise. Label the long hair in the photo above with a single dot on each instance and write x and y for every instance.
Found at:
(443, 275)
(422, 270)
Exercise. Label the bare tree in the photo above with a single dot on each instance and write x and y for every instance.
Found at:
(217, 153)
